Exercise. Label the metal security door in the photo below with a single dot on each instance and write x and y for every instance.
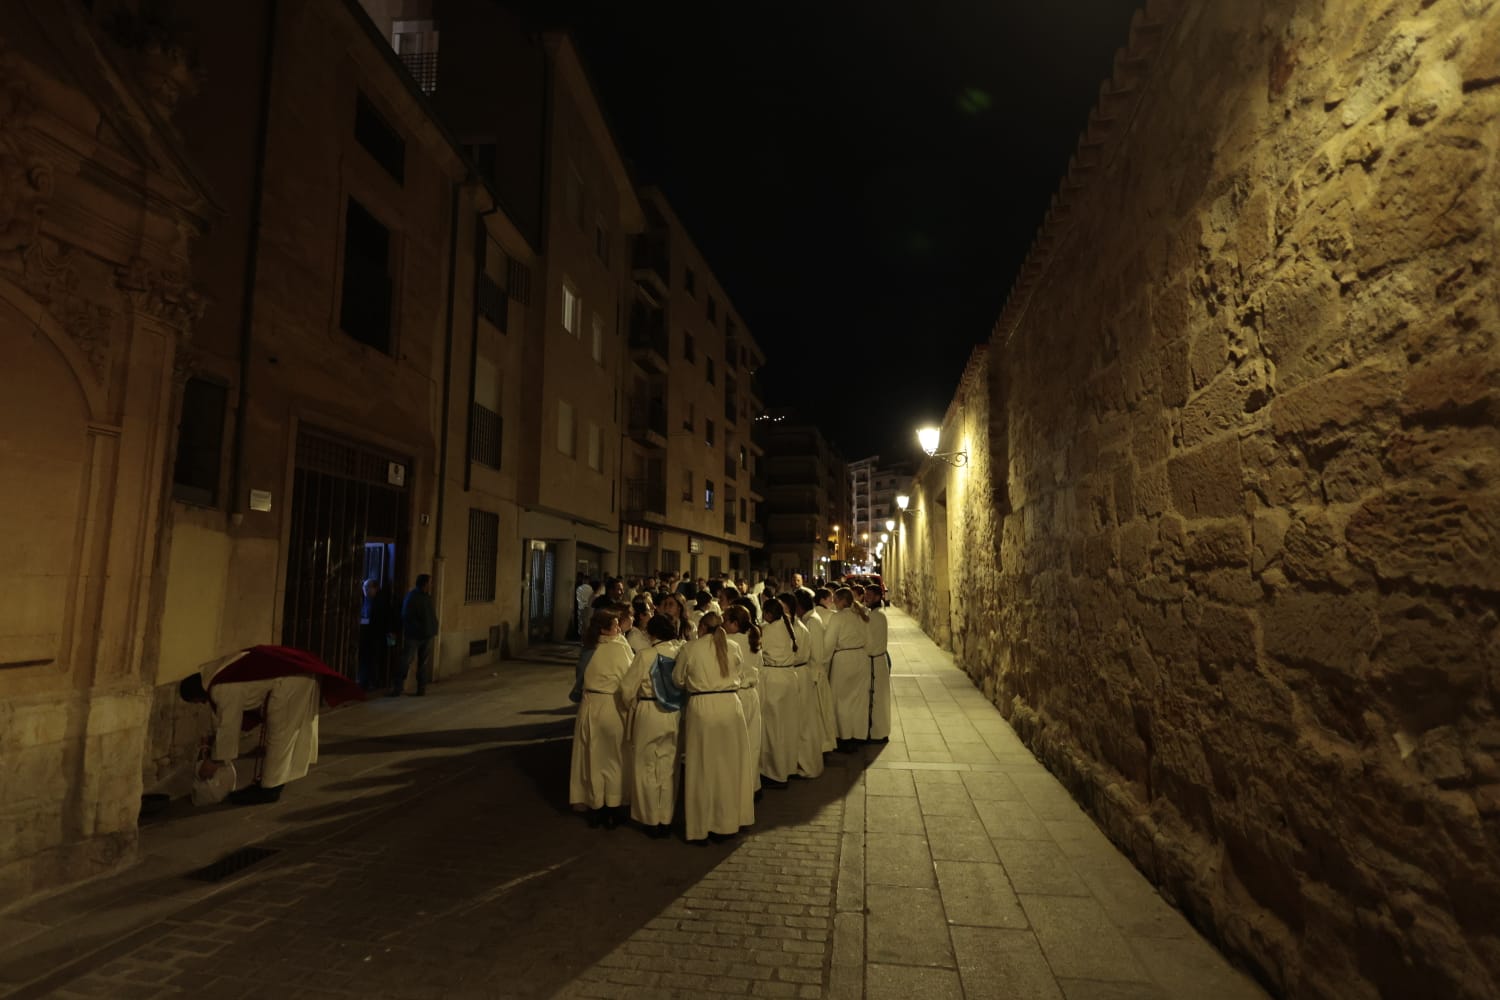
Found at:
(543, 568)
(348, 501)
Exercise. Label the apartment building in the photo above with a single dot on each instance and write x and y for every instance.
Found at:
(807, 505)
(691, 500)
(521, 103)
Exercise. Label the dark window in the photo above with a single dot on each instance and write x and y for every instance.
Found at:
(713, 310)
(381, 141)
(485, 436)
(518, 280)
(365, 309)
(483, 556)
(710, 363)
(601, 242)
(493, 303)
(688, 351)
(742, 511)
(200, 442)
(690, 282)
(708, 432)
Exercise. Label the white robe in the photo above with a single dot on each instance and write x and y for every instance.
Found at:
(750, 703)
(849, 674)
(877, 650)
(717, 794)
(638, 640)
(598, 778)
(817, 670)
(289, 706)
(783, 700)
(650, 740)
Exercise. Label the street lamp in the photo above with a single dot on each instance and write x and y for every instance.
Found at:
(904, 502)
(890, 525)
(929, 437)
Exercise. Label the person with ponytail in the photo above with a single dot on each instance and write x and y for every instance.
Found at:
(744, 633)
(810, 738)
(817, 670)
(849, 674)
(877, 651)
(651, 708)
(783, 643)
(597, 781)
(718, 799)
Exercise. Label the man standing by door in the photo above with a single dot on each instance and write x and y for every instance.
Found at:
(419, 626)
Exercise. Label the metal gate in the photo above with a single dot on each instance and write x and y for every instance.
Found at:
(349, 523)
(541, 572)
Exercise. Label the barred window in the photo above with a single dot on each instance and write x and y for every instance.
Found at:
(483, 557)
(518, 280)
(485, 435)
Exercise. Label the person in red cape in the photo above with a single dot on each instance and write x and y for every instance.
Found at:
(278, 688)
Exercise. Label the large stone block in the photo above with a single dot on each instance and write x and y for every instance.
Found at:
(1208, 481)
(1335, 631)
(1429, 537)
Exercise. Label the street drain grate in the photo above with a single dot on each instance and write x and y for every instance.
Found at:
(232, 863)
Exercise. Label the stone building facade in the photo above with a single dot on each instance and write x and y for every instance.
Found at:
(98, 209)
(1233, 445)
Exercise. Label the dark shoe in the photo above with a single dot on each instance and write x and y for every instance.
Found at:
(594, 818)
(882, 741)
(255, 795)
(771, 782)
(610, 819)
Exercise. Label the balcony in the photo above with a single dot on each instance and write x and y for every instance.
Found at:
(651, 263)
(757, 398)
(649, 342)
(423, 67)
(757, 533)
(648, 422)
(731, 407)
(645, 500)
(731, 353)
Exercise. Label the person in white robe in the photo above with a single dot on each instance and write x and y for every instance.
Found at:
(744, 633)
(817, 670)
(598, 777)
(810, 743)
(849, 668)
(640, 613)
(651, 733)
(718, 799)
(877, 651)
(783, 644)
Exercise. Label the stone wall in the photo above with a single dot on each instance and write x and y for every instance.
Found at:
(1236, 450)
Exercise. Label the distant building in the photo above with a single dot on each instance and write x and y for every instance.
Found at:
(807, 499)
(690, 502)
(887, 483)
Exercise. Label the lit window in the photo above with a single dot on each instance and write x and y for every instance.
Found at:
(599, 339)
(572, 309)
(708, 494)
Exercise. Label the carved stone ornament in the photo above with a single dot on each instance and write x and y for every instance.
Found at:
(162, 294)
(25, 179)
(54, 282)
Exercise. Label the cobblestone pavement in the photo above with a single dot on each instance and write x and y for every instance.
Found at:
(432, 854)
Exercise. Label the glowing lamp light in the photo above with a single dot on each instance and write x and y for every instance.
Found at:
(889, 526)
(902, 501)
(928, 438)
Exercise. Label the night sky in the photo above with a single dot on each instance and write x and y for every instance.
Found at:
(864, 178)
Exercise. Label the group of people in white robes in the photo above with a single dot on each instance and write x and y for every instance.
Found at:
(745, 697)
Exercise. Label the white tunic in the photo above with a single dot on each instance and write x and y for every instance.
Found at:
(650, 739)
(638, 640)
(817, 669)
(782, 698)
(750, 703)
(849, 674)
(878, 651)
(289, 706)
(598, 772)
(717, 794)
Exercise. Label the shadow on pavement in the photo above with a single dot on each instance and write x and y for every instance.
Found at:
(456, 874)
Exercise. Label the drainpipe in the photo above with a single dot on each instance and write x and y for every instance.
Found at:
(445, 416)
(238, 500)
(481, 245)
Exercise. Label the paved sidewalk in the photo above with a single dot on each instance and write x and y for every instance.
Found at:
(431, 854)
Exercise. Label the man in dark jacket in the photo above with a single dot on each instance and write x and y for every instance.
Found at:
(419, 626)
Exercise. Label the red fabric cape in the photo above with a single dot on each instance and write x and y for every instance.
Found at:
(265, 662)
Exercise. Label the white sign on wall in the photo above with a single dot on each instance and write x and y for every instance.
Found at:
(260, 500)
(395, 474)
